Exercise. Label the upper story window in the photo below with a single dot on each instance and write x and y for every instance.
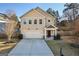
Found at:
(35, 21)
(24, 22)
(48, 20)
(30, 21)
(40, 21)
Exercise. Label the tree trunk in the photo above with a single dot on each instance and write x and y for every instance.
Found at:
(9, 39)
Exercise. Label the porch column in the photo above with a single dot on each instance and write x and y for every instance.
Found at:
(51, 33)
(55, 32)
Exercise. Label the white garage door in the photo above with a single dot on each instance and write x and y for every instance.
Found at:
(33, 34)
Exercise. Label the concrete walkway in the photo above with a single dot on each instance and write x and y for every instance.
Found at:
(31, 47)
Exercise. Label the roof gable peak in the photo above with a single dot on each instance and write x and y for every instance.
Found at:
(38, 9)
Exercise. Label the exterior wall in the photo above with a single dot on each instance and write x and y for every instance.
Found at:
(33, 26)
(51, 21)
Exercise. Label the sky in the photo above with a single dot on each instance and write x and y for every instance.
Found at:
(21, 8)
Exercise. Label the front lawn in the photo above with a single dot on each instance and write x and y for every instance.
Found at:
(67, 49)
(6, 48)
(1, 40)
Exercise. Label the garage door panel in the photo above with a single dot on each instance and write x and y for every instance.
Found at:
(33, 34)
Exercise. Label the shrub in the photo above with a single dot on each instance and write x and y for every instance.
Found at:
(75, 45)
(18, 36)
(57, 37)
(77, 34)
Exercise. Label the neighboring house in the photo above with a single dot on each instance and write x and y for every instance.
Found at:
(4, 20)
(2, 27)
(37, 23)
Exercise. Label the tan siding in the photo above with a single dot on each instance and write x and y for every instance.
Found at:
(32, 16)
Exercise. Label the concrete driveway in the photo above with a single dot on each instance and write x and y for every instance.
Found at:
(31, 47)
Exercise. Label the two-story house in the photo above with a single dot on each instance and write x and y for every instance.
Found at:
(3, 20)
(37, 23)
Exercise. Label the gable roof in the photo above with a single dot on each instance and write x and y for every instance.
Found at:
(4, 15)
(50, 26)
(43, 12)
(40, 11)
(26, 13)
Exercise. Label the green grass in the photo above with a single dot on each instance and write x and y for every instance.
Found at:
(14, 40)
(1, 40)
(67, 49)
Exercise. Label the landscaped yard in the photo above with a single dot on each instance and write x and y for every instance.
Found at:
(5, 48)
(67, 49)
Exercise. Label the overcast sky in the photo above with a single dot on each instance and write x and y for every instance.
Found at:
(21, 8)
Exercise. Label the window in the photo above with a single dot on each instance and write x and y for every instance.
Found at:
(35, 21)
(48, 20)
(30, 22)
(24, 22)
(40, 21)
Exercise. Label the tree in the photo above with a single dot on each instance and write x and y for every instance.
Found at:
(54, 13)
(57, 18)
(51, 12)
(63, 23)
(11, 25)
(76, 30)
(71, 10)
(68, 15)
(10, 28)
(9, 12)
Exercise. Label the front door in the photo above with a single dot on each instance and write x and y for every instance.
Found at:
(48, 33)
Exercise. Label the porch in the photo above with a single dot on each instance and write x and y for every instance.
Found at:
(50, 31)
